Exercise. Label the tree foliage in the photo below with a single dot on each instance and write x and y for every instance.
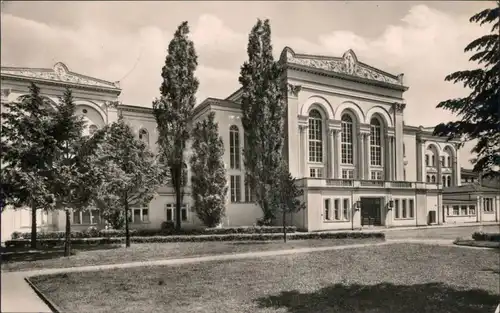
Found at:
(479, 114)
(131, 172)
(173, 111)
(208, 178)
(263, 106)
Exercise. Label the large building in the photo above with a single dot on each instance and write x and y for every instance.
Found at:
(346, 142)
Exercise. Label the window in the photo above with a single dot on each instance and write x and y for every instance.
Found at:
(327, 209)
(92, 129)
(448, 181)
(433, 178)
(347, 174)
(315, 172)
(403, 207)
(433, 160)
(463, 210)
(404, 150)
(346, 140)
(140, 215)
(249, 196)
(315, 137)
(376, 175)
(449, 161)
(235, 188)
(337, 209)
(396, 208)
(87, 217)
(442, 161)
(234, 147)
(375, 143)
(488, 204)
(170, 208)
(345, 208)
(447, 210)
(411, 208)
(443, 180)
(426, 160)
(144, 136)
(472, 210)
(456, 210)
(428, 178)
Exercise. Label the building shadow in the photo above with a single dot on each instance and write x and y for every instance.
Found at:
(12, 255)
(385, 297)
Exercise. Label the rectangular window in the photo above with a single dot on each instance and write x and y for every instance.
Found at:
(448, 210)
(87, 217)
(140, 215)
(316, 172)
(234, 147)
(396, 208)
(347, 174)
(411, 208)
(426, 160)
(76, 217)
(376, 175)
(442, 161)
(456, 210)
(170, 212)
(327, 209)
(345, 210)
(315, 140)
(403, 206)
(433, 160)
(235, 188)
(346, 139)
(463, 210)
(249, 196)
(337, 209)
(472, 209)
(488, 204)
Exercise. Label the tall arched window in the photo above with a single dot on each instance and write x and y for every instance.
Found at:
(347, 150)
(315, 137)
(144, 136)
(234, 147)
(375, 142)
(448, 181)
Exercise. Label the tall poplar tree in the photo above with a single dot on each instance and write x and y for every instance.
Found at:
(479, 113)
(263, 105)
(208, 174)
(174, 109)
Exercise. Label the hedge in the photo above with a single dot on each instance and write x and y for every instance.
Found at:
(200, 238)
(480, 236)
(111, 233)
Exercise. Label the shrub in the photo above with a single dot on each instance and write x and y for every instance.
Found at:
(481, 236)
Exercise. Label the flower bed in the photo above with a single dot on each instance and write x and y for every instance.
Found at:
(197, 238)
(480, 236)
(111, 233)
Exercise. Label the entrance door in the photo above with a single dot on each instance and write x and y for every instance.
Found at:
(371, 214)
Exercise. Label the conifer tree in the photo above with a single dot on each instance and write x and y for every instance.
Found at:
(173, 111)
(479, 114)
(208, 178)
(263, 106)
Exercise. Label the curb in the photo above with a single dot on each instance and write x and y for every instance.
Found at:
(53, 307)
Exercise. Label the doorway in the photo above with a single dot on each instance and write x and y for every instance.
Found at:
(371, 211)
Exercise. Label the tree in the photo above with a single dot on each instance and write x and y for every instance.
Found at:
(208, 179)
(131, 174)
(72, 177)
(27, 151)
(174, 110)
(263, 105)
(286, 195)
(478, 113)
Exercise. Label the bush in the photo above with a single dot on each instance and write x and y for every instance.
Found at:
(203, 238)
(481, 236)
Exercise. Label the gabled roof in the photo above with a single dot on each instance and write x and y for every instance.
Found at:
(347, 65)
(59, 74)
(474, 187)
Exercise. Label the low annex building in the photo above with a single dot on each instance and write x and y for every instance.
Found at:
(346, 142)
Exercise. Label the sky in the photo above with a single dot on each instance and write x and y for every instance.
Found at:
(127, 42)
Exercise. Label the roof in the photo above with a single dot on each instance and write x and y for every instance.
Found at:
(214, 101)
(474, 187)
(59, 74)
(347, 66)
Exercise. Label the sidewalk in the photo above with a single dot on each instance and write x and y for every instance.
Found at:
(20, 297)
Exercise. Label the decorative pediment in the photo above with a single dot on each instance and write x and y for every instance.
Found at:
(60, 74)
(347, 65)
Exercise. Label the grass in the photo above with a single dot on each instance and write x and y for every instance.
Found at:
(394, 278)
(159, 251)
(477, 243)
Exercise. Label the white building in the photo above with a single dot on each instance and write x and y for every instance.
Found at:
(346, 141)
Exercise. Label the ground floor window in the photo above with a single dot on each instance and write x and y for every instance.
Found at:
(460, 210)
(456, 210)
(249, 194)
(404, 208)
(327, 209)
(488, 205)
(235, 188)
(87, 217)
(340, 209)
(140, 215)
(170, 208)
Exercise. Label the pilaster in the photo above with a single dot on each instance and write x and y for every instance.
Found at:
(366, 139)
(420, 159)
(293, 135)
(397, 110)
(303, 150)
(338, 154)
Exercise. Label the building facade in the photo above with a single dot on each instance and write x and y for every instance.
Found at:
(346, 142)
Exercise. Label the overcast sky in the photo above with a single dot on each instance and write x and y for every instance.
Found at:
(127, 41)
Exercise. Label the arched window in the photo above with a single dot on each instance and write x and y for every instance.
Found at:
(443, 178)
(449, 161)
(428, 178)
(433, 177)
(315, 137)
(375, 142)
(234, 147)
(144, 136)
(92, 129)
(346, 139)
(448, 181)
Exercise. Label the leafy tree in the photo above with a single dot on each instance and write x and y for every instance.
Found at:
(72, 178)
(27, 151)
(479, 113)
(173, 111)
(131, 174)
(287, 195)
(263, 105)
(208, 179)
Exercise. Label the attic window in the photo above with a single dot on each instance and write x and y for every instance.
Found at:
(84, 111)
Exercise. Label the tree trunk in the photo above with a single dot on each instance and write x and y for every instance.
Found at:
(178, 200)
(33, 227)
(67, 242)
(127, 233)
(284, 225)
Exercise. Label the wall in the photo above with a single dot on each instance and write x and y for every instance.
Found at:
(410, 156)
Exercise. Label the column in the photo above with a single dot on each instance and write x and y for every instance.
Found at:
(387, 158)
(390, 163)
(302, 155)
(359, 156)
(331, 154)
(479, 209)
(366, 138)
(338, 154)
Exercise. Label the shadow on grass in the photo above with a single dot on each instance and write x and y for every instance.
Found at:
(431, 297)
(253, 243)
(12, 255)
(492, 270)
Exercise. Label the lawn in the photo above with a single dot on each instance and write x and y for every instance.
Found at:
(159, 251)
(393, 278)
